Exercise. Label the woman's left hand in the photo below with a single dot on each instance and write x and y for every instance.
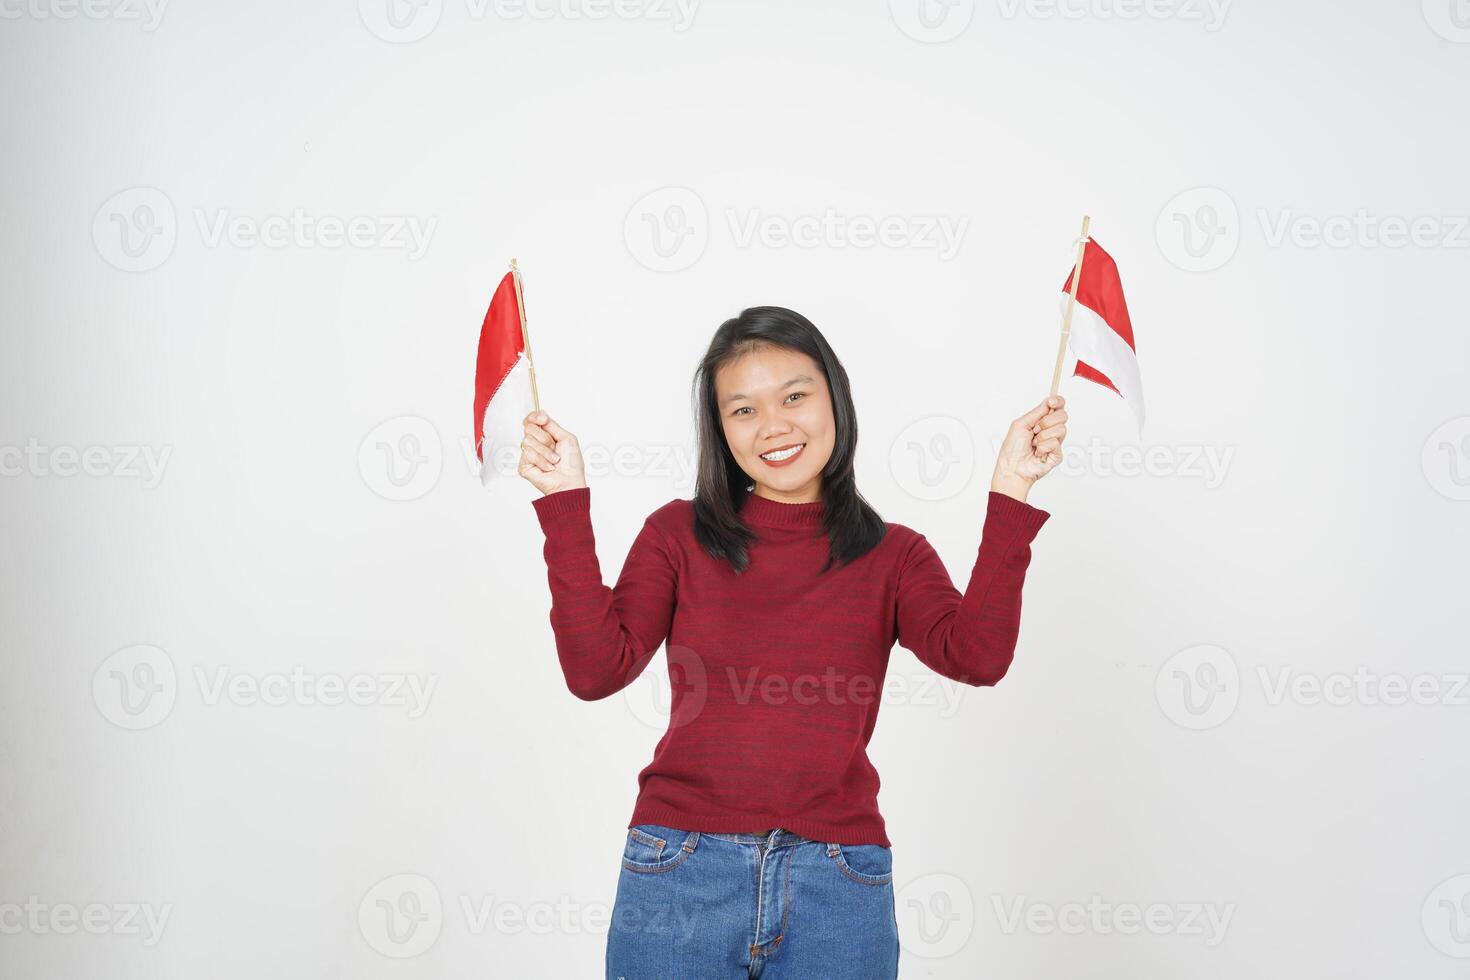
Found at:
(1032, 448)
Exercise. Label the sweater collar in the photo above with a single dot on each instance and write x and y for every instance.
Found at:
(763, 512)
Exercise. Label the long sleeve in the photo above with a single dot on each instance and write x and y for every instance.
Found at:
(604, 636)
(970, 638)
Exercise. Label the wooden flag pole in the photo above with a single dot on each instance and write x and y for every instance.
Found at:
(1056, 374)
(525, 334)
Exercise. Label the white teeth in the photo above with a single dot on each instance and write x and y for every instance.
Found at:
(776, 457)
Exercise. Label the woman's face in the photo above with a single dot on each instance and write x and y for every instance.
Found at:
(773, 398)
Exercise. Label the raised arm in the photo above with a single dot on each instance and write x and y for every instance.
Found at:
(970, 638)
(604, 636)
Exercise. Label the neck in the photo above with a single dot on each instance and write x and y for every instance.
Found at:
(761, 510)
(808, 493)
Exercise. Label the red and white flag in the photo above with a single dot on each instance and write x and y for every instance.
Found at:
(503, 395)
(1101, 334)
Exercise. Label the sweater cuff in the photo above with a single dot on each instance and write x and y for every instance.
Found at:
(552, 507)
(1021, 517)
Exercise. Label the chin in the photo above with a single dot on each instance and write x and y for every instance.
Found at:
(789, 481)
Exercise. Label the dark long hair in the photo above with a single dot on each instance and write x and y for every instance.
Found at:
(852, 526)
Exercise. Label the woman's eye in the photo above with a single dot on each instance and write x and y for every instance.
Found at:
(746, 408)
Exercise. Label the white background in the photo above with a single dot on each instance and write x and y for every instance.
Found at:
(313, 505)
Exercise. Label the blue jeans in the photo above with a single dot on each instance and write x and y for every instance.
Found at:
(774, 905)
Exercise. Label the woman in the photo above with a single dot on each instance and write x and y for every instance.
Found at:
(756, 847)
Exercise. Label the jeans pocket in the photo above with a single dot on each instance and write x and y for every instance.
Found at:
(652, 847)
(867, 864)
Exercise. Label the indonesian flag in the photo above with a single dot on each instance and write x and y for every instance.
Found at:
(1101, 335)
(502, 385)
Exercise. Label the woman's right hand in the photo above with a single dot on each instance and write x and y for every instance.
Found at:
(551, 457)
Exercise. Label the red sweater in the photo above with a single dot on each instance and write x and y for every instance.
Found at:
(776, 673)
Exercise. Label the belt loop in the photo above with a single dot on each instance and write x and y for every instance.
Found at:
(832, 849)
(691, 841)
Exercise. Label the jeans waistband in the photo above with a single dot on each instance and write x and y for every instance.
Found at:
(775, 837)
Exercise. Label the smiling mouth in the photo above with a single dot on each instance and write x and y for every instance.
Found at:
(781, 455)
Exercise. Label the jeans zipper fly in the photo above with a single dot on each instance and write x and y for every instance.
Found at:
(760, 887)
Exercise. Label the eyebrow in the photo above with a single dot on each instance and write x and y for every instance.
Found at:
(799, 379)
